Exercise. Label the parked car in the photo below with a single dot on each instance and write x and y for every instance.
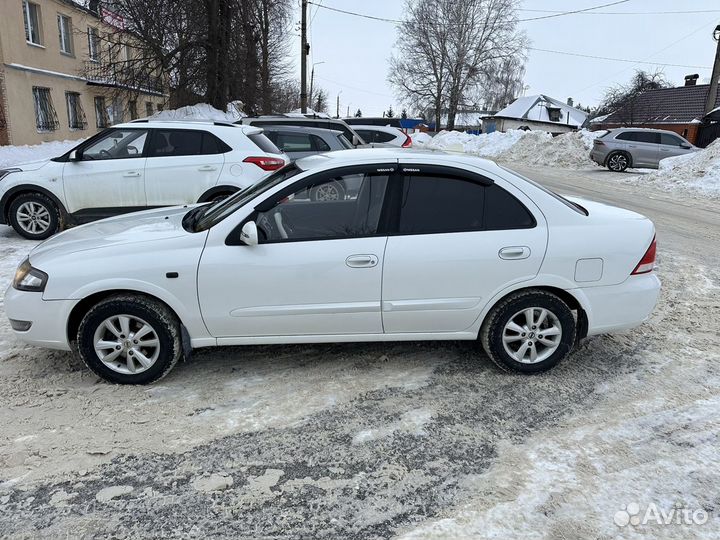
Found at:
(621, 148)
(384, 134)
(299, 142)
(134, 166)
(432, 247)
(294, 120)
(372, 121)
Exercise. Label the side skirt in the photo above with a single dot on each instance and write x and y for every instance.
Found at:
(346, 338)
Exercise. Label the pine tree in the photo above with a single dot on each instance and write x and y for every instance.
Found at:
(403, 114)
(358, 114)
(390, 113)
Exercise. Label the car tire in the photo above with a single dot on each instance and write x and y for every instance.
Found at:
(34, 216)
(329, 191)
(128, 339)
(513, 337)
(618, 161)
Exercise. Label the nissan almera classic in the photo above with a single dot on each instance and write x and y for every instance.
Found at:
(426, 246)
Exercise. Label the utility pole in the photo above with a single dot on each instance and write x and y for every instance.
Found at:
(304, 49)
(712, 91)
(337, 105)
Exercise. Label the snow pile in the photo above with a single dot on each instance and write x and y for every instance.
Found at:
(201, 111)
(517, 146)
(12, 155)
(698, 172)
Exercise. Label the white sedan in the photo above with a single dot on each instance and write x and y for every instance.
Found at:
(429, 247)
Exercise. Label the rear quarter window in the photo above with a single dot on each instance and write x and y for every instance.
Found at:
(503, 211)
(263, 143)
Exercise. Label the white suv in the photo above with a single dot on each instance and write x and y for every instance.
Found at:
(135, 166)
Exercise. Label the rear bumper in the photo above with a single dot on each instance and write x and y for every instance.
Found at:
(598, 157)
(48, 318)
(621, 307)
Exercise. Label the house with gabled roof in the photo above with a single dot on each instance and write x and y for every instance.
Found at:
(537, 112)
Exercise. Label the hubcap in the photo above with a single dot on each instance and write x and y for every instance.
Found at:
(126, 344)
(33, 217)
(532, 335)
(327, 192)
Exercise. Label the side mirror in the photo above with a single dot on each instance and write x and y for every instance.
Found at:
(249, 234)
(75, 156)
(686, 146)
(356, 140)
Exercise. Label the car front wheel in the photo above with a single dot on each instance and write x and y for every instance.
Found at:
(34, 216)
(129, 339)
(530, 331)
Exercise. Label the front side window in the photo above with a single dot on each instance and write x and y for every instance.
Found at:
(671, 140)
(65, 34)
(343, 206)
(31, 17)
(102, 118)
(93, 43)
(76, 115)
(117, 144)
(45, 116)
(293, 142)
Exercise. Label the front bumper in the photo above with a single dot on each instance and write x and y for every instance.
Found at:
(48, 317)
(621, 307)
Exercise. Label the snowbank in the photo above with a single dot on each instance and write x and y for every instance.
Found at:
(517, 146)
(698, 172)
(12, 155)
(201, 111)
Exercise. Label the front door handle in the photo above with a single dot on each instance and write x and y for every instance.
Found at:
(131, 174)
(207, 168)
(361, 261)
(514, 252)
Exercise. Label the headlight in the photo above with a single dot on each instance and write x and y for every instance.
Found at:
(28, 278)
(5, 172)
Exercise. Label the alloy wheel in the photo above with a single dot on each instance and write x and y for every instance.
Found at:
(618, 162)
(33, 217)
(126, 344)
(532, 335)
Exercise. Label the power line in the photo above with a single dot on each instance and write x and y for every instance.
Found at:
(563, 13)
(628, 12)
(617, 59)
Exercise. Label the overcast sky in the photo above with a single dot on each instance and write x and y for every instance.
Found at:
(355, 51)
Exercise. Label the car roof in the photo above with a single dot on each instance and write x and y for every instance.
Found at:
(379, 155)
(303, 129)
(629, 128)
(186, 124)
(289, 119)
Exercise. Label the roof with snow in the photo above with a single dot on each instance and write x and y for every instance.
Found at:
(542, 108)
(680, 105)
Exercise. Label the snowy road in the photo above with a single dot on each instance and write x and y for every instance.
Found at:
(380, 440)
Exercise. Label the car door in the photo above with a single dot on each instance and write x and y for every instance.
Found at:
(317, 269)
(460, 240)
(643, 147)
(181, 165)
(107, 176)
(672, 145)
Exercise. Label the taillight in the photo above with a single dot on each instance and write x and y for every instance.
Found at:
(266, 163)
(408, 141)
(598, 142)
(647, 263)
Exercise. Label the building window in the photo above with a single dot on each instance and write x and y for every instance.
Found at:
(117, 112)
(148, 108)
(45, 115)
(554, 114)
(76, 115)
(65, 33)
(160, 106)
(102, 119)
(93, 43)
(31, 16)
(132, 108)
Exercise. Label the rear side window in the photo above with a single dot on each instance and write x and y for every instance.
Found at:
(319, 144)
(263, 143)
(640, 136)
(175, 142)
(212, 145)
(382, 137)
(365, 134)
(438, 204)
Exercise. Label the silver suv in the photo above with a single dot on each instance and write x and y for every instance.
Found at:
(621, 148)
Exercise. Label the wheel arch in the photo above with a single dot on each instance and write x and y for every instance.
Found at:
(566, 296)
(217, 190)
(14, 192)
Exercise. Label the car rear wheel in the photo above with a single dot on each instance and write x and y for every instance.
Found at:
(618, 162)
(34, 216)
(530, 331)
(130, 339)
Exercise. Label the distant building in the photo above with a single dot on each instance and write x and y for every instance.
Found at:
(675, 109)
(52, 85)
(537, 112)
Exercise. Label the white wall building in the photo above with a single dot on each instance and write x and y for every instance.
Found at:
(537, 112)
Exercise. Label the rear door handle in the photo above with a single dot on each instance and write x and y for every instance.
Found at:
(131, 174)
(514, 252)
(207, 168)
(361, 261)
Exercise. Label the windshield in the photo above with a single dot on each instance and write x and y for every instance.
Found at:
(216, 212)
(574, 206)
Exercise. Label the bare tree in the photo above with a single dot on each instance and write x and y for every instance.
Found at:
(449, 47)
(502, 84)
(621, 98)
